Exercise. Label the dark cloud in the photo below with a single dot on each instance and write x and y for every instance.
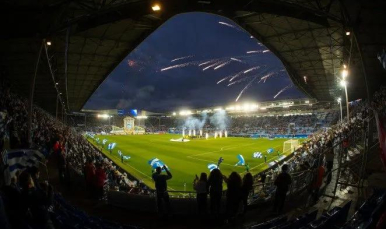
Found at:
(138, 81)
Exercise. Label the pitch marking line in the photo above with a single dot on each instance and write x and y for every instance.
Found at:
(221, 149)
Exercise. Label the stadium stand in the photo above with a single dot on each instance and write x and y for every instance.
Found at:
(50, 135)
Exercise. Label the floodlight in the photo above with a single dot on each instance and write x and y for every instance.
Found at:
(156, 7)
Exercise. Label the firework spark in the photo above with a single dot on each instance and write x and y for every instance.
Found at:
(182, 58)
(236, 75)
(282, 90)
(264, 51)
(266, 77)
(245, 88)
(251, 69)
(212, 65)
(253, 51)
(206, 62)
(222, 65)
(176, 66)
(226, 24)
(235, 59)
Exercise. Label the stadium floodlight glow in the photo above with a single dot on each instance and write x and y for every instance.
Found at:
(348, 33)
(307, 101)
(49, 43)
(339, 100)
(343, 83)
(57, 83)
(142, 117)
(156, 7)
(263, 108)
(231, 108)
(105, 116)
(218, 109)
(174, 113)
(185, 112)
(344, 73)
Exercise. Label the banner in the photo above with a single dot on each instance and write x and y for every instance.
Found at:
(155, 162)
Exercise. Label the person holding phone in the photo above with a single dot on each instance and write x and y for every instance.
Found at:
(201, 187)
(161, 189)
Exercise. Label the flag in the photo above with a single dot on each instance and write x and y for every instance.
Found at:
(212, 166)
(270, 150)
(155, 162)
(381, 136)
(104, 141)
(241, 160)
(257, 155)
(20, 159)
(111, 146)
(126, 157)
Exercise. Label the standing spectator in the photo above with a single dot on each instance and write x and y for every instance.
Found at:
(329, 161)
(161, 188)
(201, 187)
(62, 165)
(282, 184)
(215, 191)
(35, 174)
(318, 174)
(89, 171)
(263, 176)
(233, 195)
(100, 179)
(246, 189)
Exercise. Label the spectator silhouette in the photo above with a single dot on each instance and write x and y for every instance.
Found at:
(201, 187)
(89, 171)
(282, 184)
(100, 179)
(233, 195)
(246, 188)
(161, 189)
(215, 191)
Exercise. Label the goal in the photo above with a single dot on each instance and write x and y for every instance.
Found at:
(290, 146)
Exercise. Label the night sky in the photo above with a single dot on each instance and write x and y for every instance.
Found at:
(204, 39)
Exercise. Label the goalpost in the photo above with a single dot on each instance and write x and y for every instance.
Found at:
(290, 146)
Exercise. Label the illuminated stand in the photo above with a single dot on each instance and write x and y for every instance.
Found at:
(128, 125)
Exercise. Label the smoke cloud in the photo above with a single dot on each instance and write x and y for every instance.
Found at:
(192, 123)
(220, 120)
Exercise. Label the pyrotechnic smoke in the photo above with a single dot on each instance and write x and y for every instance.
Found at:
(220, 120)
(193, 123)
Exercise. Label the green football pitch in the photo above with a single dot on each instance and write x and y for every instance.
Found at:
(186, 159)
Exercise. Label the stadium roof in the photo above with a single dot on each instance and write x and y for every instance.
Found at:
(90, 38)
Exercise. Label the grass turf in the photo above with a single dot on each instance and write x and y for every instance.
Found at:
(186, 159)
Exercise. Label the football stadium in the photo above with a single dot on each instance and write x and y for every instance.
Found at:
(258, 114)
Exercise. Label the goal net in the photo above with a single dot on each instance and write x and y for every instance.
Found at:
(290, 146)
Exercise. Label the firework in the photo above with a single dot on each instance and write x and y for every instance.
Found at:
(282, 90)
(235, 59)
(181, 58)
(266, 77)
(251, 69)
(264, 51)
(222, 65)
(226, 24)
(212, 65)
(253, 51)
(236, 75)
(176, 66)
(245, 88)
(206, 62)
